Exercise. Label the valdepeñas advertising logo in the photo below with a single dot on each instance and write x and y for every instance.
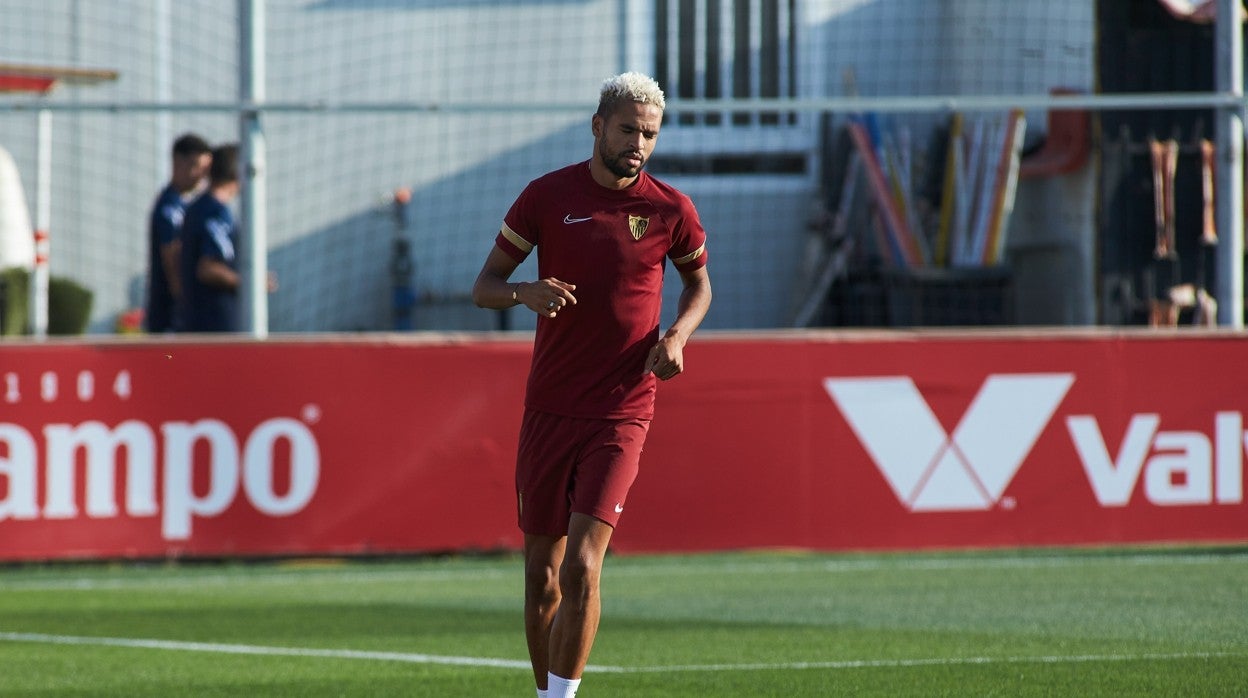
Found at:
(969, 470)
(930, 470)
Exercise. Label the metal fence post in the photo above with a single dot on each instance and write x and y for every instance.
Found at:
(253, 195)
(1229, 132)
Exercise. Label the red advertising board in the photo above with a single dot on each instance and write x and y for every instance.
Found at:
(828, 441)
(305, 447)
(920, 441)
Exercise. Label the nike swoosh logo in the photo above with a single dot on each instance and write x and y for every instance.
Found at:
(568, 219)
(618, 509)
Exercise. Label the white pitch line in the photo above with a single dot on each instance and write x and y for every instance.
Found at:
(416, 658)
(902, 663)
(221, 648)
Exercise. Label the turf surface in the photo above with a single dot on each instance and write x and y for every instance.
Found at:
(1137, 622)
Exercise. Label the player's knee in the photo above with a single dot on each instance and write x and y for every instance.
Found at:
(541, 582)
(578, 578)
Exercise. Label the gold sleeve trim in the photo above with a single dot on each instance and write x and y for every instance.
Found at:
(514, 238)
(691, 256)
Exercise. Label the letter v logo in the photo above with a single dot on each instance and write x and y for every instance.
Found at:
(929, 470)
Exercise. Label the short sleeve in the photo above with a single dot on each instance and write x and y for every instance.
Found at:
(519, 232)
(688, 251)
(218, 243)
(168, 222)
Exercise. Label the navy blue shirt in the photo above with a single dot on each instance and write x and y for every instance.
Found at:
(163, 228)
(208, 231)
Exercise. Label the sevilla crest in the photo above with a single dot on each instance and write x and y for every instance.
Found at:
(637, 226)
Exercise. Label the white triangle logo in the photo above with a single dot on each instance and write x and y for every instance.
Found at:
(929, 470)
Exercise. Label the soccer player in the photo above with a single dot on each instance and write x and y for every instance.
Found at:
(209, 268)
(604, 231)
(191, 158)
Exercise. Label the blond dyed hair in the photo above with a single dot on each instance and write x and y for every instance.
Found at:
(629, 87)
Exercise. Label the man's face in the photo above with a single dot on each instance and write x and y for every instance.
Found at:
(626, 137)
(189, 170)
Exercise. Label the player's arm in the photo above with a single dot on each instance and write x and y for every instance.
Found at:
(493, 288)
(667, 358)
(166, 225)
(216, 273)
(170, 254)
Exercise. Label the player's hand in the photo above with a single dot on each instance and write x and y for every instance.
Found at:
(667, 358)
(546, 296)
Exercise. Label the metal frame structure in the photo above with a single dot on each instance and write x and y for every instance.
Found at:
(1227, 100)
(42, 80)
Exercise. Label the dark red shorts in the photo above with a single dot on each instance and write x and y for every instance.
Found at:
(569, 464)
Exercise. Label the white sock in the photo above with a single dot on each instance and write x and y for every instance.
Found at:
(541, 693)
(559, 687)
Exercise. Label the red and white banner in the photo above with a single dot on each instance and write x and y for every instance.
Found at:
(827, 441)
(150, 449)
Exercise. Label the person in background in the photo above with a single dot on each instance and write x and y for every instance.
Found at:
(191, 158)
(604, 231)
(209, 256)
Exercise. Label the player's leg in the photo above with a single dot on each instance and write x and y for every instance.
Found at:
(543, 556)
(544, 466)
(609, 461)
(576, 622)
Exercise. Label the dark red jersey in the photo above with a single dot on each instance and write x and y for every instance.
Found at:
(589, 361)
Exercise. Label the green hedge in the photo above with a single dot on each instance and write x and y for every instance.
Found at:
(69, 304)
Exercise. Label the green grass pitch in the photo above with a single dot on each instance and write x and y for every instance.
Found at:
(1170, 622)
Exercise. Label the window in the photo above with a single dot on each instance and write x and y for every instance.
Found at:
(719, 49)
